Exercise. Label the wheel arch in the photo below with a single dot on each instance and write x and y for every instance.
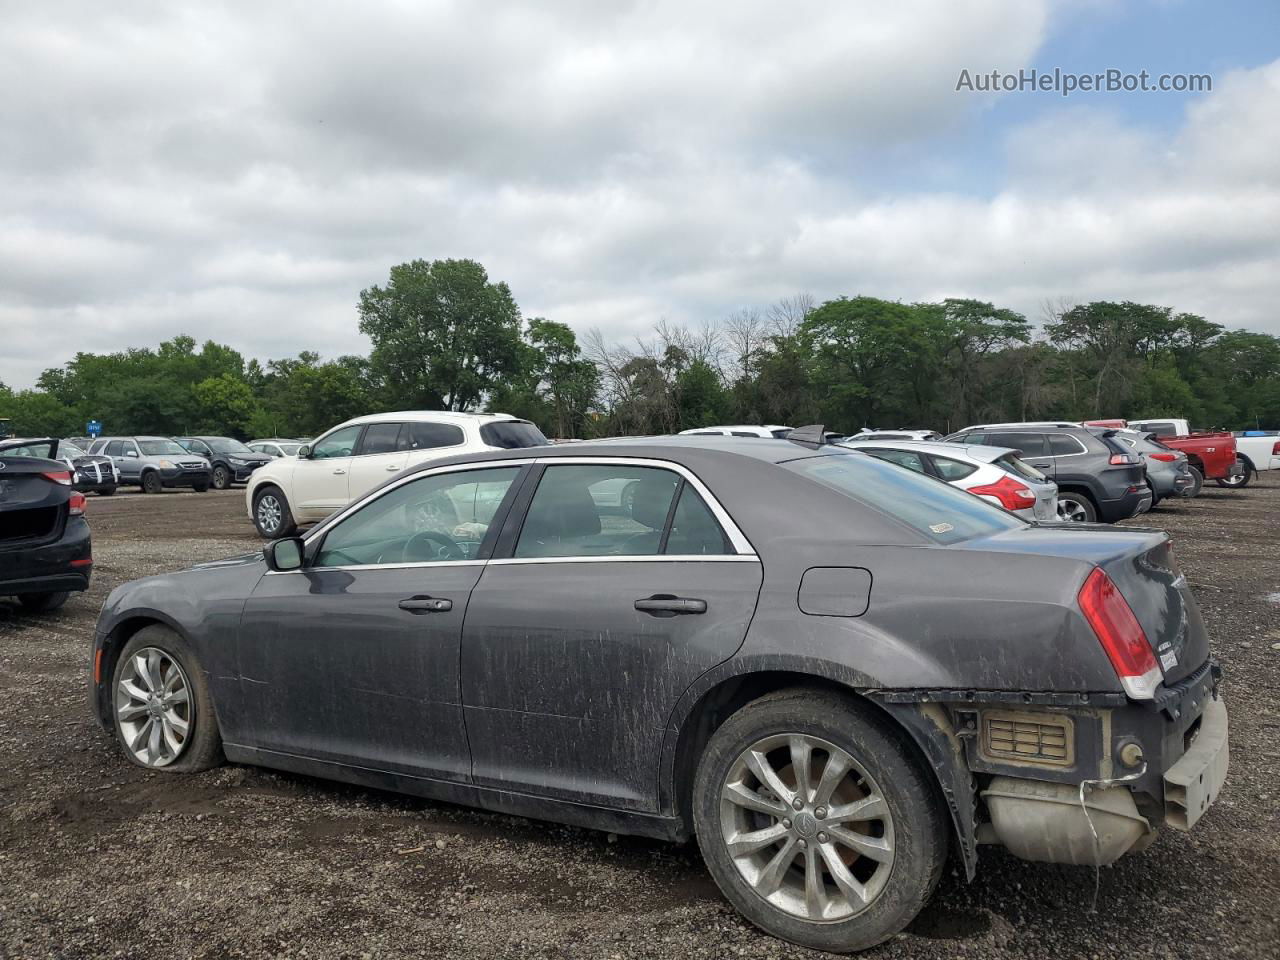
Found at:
(107, 654)
(1248, 463)
(1083, 489)
(726, 690)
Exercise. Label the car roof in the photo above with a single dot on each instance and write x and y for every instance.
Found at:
(429, 415)
(1025, 425)
(974, 451)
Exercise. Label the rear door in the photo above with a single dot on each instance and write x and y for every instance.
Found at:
(589, 625)
(129, 461)
(378, 458)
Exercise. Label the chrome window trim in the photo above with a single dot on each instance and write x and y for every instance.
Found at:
(632, 558)
(737, 538)
(1058, 456)
(386, 566)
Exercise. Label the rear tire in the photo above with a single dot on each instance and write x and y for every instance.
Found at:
(1076, 508)
(174, 670)
(271, 514)
(221, 477)
(151, 482)
(43, 602)
(1197, 482)
(1240, 482)
(795, 874)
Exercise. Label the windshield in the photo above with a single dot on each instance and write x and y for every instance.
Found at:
(227, 445)
(162, 448)
(943, 513)
(512, 434)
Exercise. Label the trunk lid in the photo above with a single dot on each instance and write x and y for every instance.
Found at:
(1142, 565)
(32, 506)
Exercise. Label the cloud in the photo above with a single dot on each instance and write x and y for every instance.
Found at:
(240, 173)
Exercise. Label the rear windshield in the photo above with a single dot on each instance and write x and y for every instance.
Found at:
(1020, 467)
(936, 509)
(512, 434)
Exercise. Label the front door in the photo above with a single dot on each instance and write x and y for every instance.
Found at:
(321, 481)
(354, 658)
(578, 645)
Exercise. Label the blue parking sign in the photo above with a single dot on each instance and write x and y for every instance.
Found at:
(93, 428)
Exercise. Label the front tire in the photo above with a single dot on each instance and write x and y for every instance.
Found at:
(43, 602)
(106, 491)
(1075, 508)
(160, 705)
(1240, 482)
(151, 482)
(271, 514)
(200, 487)
(816, 822)
(221, 477)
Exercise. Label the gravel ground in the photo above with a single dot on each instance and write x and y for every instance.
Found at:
(99, 858)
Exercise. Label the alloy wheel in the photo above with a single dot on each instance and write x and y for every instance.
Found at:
(1072, 511)
(154, 707)
(269, 513)
(807, 827)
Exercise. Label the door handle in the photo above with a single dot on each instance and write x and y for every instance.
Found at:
(426, 605)
(665, 605)
(338, 472)
(1042, 464)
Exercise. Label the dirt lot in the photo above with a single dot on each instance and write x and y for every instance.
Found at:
(98, 858)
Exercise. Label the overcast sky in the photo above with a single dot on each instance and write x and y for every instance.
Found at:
(240, 171)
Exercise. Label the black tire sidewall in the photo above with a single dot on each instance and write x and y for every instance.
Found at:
(920, 833)
(204, 745)
(106, 491)
(221, 478)
(43, 602)
(151, 482)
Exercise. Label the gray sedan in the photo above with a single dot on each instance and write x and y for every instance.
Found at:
(830, 671)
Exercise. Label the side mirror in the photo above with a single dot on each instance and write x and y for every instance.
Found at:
(131, 453)
(284, 554)
(304, 452)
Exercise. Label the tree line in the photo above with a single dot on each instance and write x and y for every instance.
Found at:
(444, 336)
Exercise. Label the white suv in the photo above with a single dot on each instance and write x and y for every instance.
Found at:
(354, 457)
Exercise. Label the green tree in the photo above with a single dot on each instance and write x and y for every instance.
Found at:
(224, 405)
(443, 335)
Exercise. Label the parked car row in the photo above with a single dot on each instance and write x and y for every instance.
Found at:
(831, 671)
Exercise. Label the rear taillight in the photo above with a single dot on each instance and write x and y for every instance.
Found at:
(1123, 459)
(58, 476)
(1165, 457)
(76, 503)
(1120, 634)
(1011, 494)
(1275, 449)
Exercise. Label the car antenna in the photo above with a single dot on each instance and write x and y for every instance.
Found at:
(813, 435)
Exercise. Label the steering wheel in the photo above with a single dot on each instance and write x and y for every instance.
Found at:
(449, 549)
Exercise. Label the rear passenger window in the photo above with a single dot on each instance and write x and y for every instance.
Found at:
(380, 438)
(425, 436)
(1031, 444)
(598, 511)
(949, 469)
(694, 529)
(1064, 445)
(114, 449)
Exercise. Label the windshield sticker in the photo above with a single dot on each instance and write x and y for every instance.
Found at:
(941, 527)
